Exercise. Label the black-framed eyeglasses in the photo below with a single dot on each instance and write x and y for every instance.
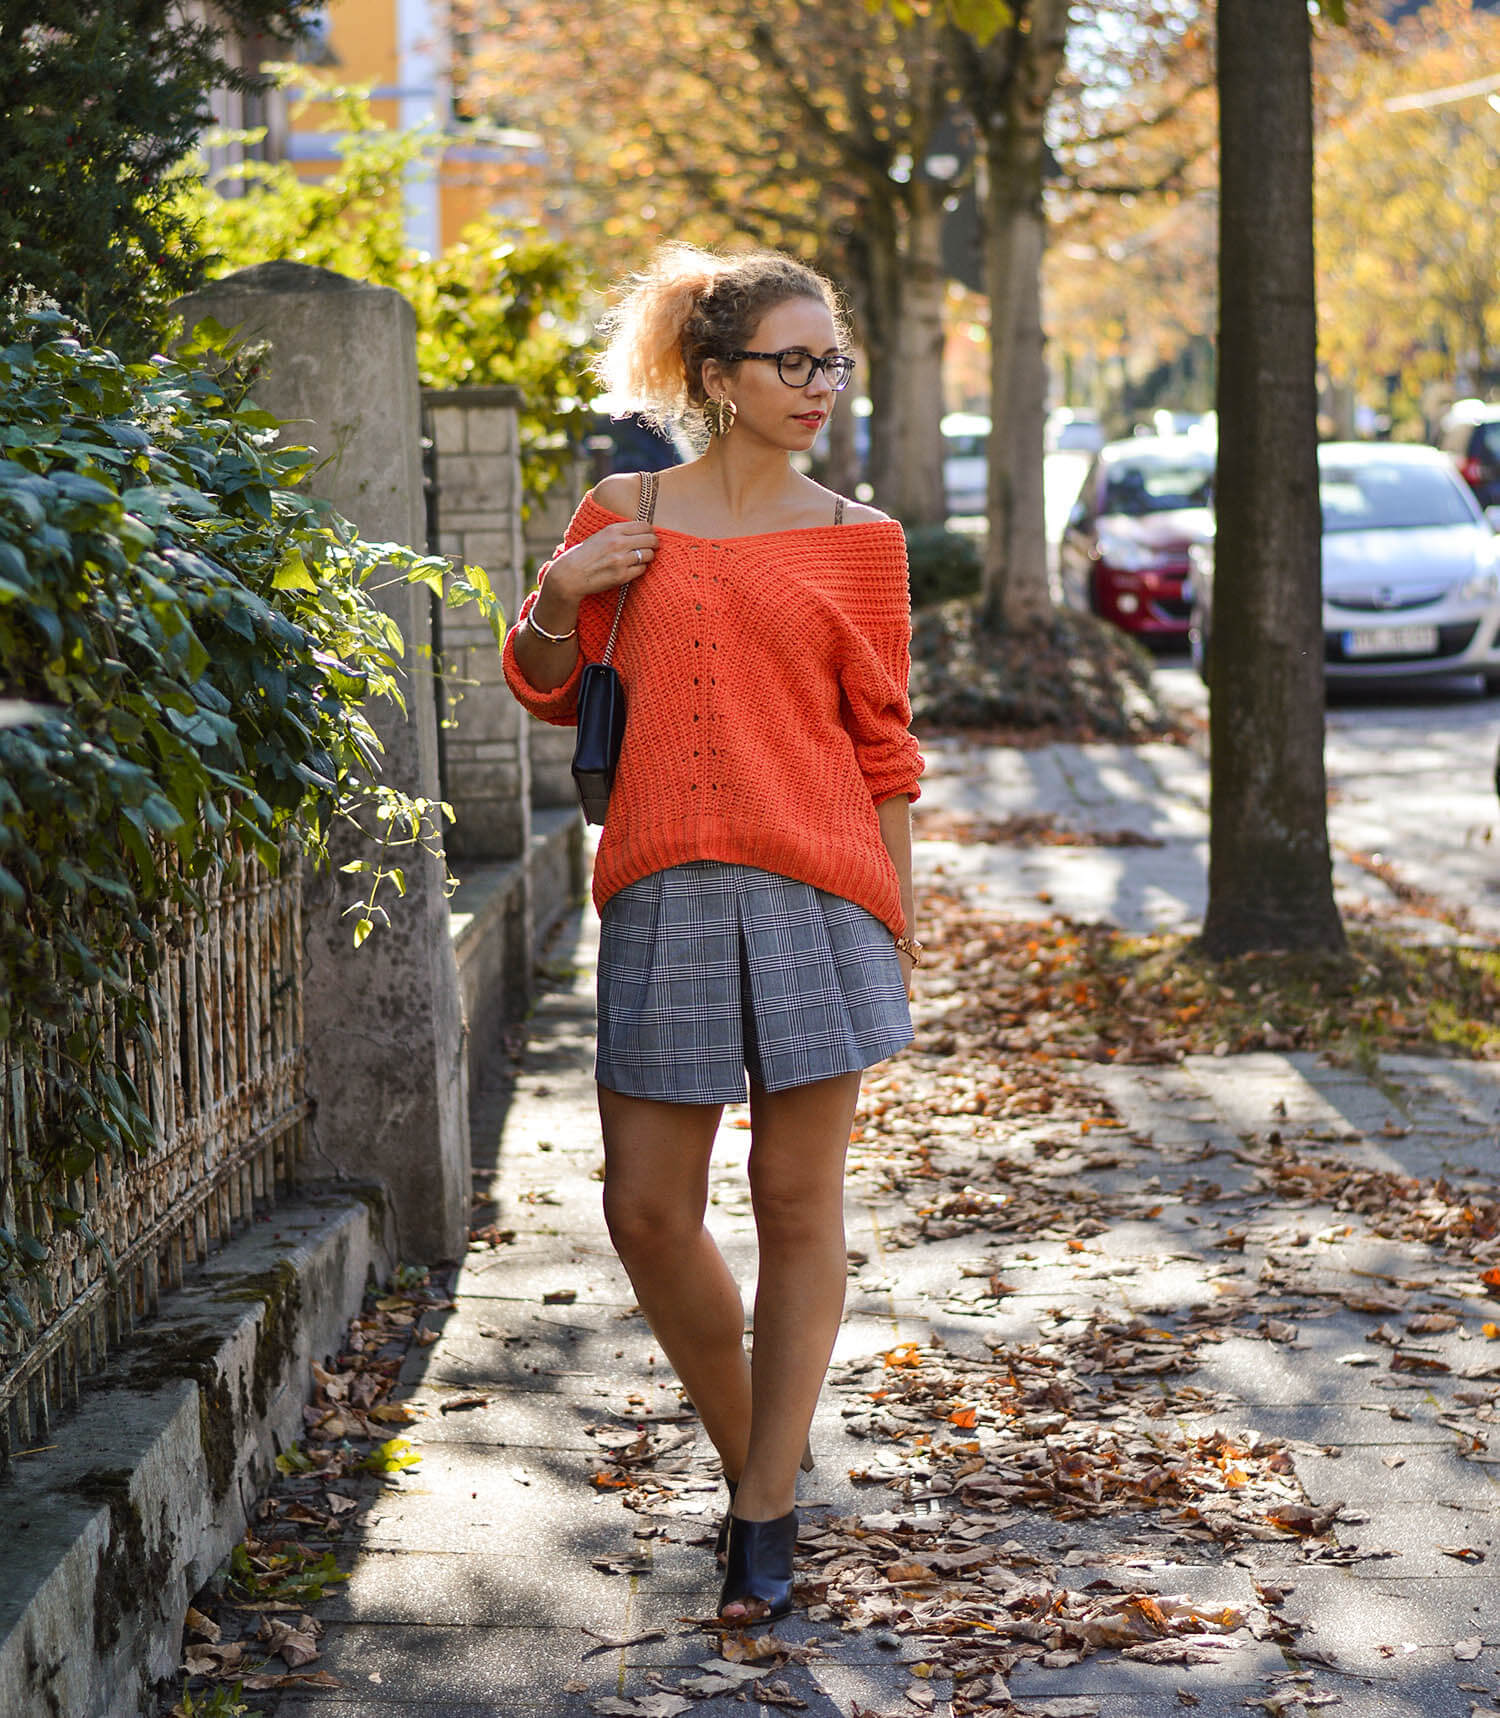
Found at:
(797, 368)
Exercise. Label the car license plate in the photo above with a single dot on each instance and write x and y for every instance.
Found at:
(1392, 641)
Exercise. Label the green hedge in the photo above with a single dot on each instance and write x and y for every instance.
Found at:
(187, 642)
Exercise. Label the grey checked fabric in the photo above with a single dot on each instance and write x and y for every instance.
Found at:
(708, 971)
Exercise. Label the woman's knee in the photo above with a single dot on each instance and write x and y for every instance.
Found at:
(794, 1206)
(647, 1219)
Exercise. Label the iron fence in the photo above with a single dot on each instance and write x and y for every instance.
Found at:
(225, 1097)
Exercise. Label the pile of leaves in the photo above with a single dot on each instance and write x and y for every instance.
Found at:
(1078, 678)
(255, 1609)
(1076, 1426)
(1058, 989)
(1462, 1220)
(1079, 1427)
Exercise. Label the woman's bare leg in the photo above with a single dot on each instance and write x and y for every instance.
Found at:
(656, 1158)
(799, 1139)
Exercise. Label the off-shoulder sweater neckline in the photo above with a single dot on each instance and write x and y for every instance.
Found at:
(753, 536)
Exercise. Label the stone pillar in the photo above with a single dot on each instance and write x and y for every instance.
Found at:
(487, 776)
(384, 1023)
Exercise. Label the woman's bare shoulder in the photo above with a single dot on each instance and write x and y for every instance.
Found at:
(620, 493)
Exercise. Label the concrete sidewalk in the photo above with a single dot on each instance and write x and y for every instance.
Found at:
(1257, 1246)
(498, 1578)
(1429, 811)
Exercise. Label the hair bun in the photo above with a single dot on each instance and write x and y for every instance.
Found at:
(675, 313)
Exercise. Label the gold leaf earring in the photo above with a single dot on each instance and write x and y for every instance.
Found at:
(719, 415)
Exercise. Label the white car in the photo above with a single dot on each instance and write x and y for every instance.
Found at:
(1411, 569)
(1070, 429)
(966, 462)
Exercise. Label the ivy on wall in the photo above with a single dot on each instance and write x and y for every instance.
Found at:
(188, 644)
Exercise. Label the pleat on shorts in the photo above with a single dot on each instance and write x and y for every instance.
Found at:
(709, 972)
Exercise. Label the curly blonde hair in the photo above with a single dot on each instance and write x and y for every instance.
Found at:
(688, 305)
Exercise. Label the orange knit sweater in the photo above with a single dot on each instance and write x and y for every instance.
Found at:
(765, 690)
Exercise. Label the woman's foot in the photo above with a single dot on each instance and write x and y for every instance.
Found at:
(758, 1569)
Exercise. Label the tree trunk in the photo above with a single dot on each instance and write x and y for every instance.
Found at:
(916, 496)
(1008, 84)
(877, 290)
(904, 338)
(1270, 879)
(843, 455)
(1014, 593)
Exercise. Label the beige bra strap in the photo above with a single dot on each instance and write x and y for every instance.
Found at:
(838, 510)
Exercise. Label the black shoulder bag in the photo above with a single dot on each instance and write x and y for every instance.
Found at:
(601, 702)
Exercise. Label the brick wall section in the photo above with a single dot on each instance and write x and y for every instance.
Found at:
(487, 764)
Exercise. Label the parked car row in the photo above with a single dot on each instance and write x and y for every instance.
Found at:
(1411, 562)
(1411, 569)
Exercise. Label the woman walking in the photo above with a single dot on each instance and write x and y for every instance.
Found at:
(754, 873)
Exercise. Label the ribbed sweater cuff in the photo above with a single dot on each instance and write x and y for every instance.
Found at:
(559, 705)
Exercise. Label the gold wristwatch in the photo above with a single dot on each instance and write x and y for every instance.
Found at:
(911, 948)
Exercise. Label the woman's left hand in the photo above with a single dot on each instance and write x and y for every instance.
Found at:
(908, 967)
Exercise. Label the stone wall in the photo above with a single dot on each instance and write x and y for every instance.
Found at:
(486, 770)
(386, 1068)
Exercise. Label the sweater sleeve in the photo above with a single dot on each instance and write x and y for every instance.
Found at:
(873, 683)
(559, 705)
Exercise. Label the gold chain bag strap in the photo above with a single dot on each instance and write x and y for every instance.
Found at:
(601, 701)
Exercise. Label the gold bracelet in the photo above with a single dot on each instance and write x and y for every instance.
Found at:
(911, 948)
(551, 637)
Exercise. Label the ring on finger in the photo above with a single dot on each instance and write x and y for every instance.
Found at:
(639, 558)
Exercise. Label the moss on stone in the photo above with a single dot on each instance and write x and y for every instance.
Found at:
(130, 1569)
(279, 1291)
(217, 1432)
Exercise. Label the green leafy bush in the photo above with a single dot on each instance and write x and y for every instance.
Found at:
(944, 564)
(503, 305)
(103, 100)
(187, 642)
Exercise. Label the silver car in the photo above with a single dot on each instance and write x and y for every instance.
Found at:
(1411, 569)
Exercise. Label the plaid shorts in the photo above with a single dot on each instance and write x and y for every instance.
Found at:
(710, 971)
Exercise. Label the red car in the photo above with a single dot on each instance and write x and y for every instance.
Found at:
(1124, 552)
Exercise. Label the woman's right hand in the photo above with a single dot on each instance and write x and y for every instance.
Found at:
(603, 561)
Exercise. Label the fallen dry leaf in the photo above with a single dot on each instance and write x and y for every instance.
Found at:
(260, 1681)
(659, 1705)
(469, 1399)
(293, 1645)
(213, 1660)
(776, 1694)
(205, 1627)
